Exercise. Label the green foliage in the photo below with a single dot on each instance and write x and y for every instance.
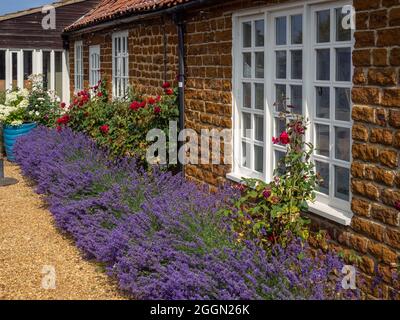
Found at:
(271, 212)
(2, 97)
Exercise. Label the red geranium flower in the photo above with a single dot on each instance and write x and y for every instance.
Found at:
(142, 104)
(134, 105)
(284, 138)
(63, 120)
(151, 101)
(105, 128)
(169, 91)
(157, 110)
(166, 85)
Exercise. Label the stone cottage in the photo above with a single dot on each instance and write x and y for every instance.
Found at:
(234, 59)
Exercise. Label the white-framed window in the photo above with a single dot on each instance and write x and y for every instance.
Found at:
(79, 74)
(301, 54)
(120, 64)
(94, 65)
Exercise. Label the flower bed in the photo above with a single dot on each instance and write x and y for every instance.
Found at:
(161, 236)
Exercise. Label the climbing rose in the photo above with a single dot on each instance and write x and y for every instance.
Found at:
(157, 110)
(275, 140)
(166, 85)
(169, 91)
(105, 128)
(284, 138)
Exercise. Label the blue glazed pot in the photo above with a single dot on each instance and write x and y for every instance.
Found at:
(11, 133)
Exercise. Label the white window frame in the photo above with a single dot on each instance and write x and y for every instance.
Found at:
(337, 210)
(94, 65)
(78, 72)
(120, 80)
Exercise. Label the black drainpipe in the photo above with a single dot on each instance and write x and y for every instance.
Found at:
(181, 78)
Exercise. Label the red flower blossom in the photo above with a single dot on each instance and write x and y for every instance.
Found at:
(62, 105)
(151, 101)
(166, 85)
(100, 94)
(105, 129)
(142, 104)
(284, 138)
(158, 99)
(59, 128)
(275, 140)
(157, 110)
(240, 187)
(397, 205)
(169, 92)
(298, 128)
(63, 120)
(134, 105)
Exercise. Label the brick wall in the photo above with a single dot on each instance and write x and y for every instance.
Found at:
(373, 239)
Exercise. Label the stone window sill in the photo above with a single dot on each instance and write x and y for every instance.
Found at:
(339, 216)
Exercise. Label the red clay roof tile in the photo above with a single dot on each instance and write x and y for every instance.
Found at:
(111, 9)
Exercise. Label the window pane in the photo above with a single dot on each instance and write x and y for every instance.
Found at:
(246, 125)
(343, 64)
(259, 124)
(259, 33)
(58, 74)
(247, 65)
(322, 102)
(246, 34)
(259, 98)
(296, 100)
(280, 126)
(14, 66)
(280, 97)
(281, 64)
(322, 140)
(297, 64)
(259, 64)
(47, 72)
(259, 159)
(246, 154)
(323, 64)
(246, 95)
(323, 26)
(28, 68)
(297, 29)
(2, 70)
(279, 155)
(341, 33)
(342, 183)
(280, 25)
(343, 101)
(323, 169)
(342, 143)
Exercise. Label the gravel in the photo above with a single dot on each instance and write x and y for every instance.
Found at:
(37, 261)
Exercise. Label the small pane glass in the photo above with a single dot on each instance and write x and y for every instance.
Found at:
(280, 126)
(342, 143)
(322, 140)
(246, 95)
(343, 102)
(259, 98)
(259, 65)
(259, 124)
(322, 102)
(259, 33)
(281, 64)
(247, 65)
(342, 183)
(296, 100)
(279, 155)
(323, 26)
(342, 19)
(258, 158)
(323, 64)
(280, 97)
(247, 34)
(280, 26)
(246, 125)
(296, 26)
(323, 169)
(297, 64)
(343, 64)
(246, 149)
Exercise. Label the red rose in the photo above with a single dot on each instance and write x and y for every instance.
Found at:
(134, 105)
(105, 128)
(151, 101)
(157, 110)
(142, 104)
(284, 138)
(169, 92)
(275, 140)
(62, 105)
(166, 85)
(63, 120)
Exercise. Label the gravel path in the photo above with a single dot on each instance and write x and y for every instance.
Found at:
(32, 250)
